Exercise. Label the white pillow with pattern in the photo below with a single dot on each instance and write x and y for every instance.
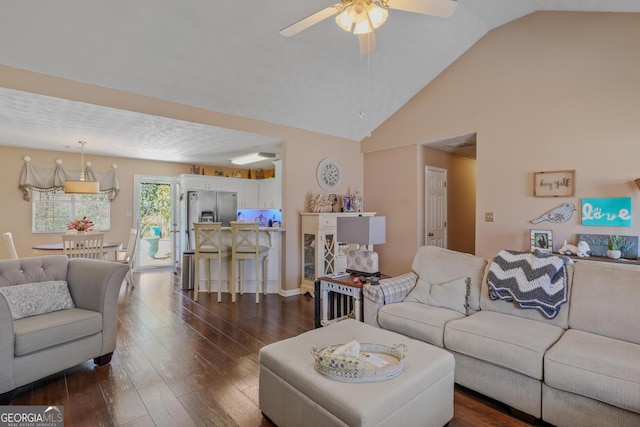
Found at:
(31, 299)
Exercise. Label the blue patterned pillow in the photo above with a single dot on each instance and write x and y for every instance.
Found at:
(31, 299)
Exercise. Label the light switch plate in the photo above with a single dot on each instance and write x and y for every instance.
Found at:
(488, 217)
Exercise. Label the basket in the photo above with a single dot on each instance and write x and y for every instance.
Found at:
(394, 355)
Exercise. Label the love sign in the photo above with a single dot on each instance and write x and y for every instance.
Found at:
(611, 211)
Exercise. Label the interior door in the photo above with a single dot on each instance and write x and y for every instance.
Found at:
(155, 212)
(435, 206)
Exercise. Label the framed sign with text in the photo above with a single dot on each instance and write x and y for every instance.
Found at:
(554, 184)
(612, 211)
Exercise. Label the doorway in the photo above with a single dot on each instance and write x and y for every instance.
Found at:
(154, 212)
(435, 206)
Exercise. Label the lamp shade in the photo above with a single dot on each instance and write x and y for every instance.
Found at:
(363, 230)
(81, 187)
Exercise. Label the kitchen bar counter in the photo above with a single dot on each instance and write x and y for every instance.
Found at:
(269, 236)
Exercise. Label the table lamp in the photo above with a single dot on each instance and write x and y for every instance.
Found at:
(362, 230)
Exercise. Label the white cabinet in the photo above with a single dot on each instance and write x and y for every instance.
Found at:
(320, 254)
(248, 195)
(270, 190)
(202, 182)
(252, 193)
(268, 194)
(248, 192)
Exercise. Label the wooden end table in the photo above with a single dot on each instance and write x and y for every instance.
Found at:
(324, 286)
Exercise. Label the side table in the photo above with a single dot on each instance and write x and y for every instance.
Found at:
(329, 310)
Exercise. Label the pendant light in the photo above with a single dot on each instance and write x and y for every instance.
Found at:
(81, 186)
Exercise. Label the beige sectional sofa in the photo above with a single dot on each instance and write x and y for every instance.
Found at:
(55, 313)
(581, 367)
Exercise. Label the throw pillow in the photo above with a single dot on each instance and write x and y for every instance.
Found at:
(453, 295)
(419, 293)
(31, 299)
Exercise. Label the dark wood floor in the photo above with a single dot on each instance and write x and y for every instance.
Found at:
(178, 363)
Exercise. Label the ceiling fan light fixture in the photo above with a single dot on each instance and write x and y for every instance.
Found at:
(363, 27)
(344, 21)
(377, 15)
(361, 18)
(252, 158)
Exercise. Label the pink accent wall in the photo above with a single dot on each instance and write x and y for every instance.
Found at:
(550, 91)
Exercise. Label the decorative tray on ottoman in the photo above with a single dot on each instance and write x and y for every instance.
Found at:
(359, 369)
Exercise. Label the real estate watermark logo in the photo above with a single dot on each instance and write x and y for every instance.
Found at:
(31, 416)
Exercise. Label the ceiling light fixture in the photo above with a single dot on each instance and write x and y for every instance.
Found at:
(81, 186)
(252, 158)
(361, 17)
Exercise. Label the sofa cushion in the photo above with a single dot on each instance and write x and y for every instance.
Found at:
(46, 330)
(606, 300)
(32, 299)
(453, 294)
(513, 309)
(435, 265)
(503, 340)
(417, 320)
(598, 367)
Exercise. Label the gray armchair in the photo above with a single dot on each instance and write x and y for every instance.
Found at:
(39, 345)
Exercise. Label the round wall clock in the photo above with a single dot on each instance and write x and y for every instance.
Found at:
(328, 174)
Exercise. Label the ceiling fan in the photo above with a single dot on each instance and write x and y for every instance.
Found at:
(363, 16)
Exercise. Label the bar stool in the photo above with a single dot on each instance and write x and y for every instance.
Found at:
(208, 241)
(246, 246)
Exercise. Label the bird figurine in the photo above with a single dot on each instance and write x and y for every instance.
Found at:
(560, 214)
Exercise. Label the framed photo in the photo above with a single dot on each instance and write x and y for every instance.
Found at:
(346, 204)
(554, 184)
(542, 239)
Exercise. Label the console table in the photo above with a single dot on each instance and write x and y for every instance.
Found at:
(604, 259)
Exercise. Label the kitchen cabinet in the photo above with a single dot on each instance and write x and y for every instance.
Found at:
(252, 193)
(267, 197)
(247, 190)
(270, 190)
(202, 182)
(321, 254)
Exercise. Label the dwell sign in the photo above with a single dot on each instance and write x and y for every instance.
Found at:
(612, 211)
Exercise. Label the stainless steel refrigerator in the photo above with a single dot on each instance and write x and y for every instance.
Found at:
(210, 206)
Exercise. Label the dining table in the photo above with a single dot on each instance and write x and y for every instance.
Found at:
(57, 248)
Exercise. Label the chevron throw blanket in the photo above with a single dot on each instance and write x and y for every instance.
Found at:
(532, 279)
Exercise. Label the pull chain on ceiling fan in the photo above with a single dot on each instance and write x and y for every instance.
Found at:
(361, 17)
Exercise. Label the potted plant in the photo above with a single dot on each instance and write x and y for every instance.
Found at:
(80, 226)
(615, 246)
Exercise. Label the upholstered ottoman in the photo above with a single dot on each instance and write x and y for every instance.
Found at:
(293, 393)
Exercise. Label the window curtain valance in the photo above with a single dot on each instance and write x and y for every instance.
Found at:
(35, 178)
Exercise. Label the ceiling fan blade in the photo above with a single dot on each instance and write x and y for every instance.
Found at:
(367, 42)
(443, 8)
(310, 20)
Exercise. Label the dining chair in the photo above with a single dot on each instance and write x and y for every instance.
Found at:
(129, 255)
(245, 237)
(83, 245)
(8, 238)
(208, 242)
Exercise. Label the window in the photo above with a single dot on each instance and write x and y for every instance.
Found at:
(52, 212)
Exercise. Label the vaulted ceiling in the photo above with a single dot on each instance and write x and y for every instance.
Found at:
(228, 56)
